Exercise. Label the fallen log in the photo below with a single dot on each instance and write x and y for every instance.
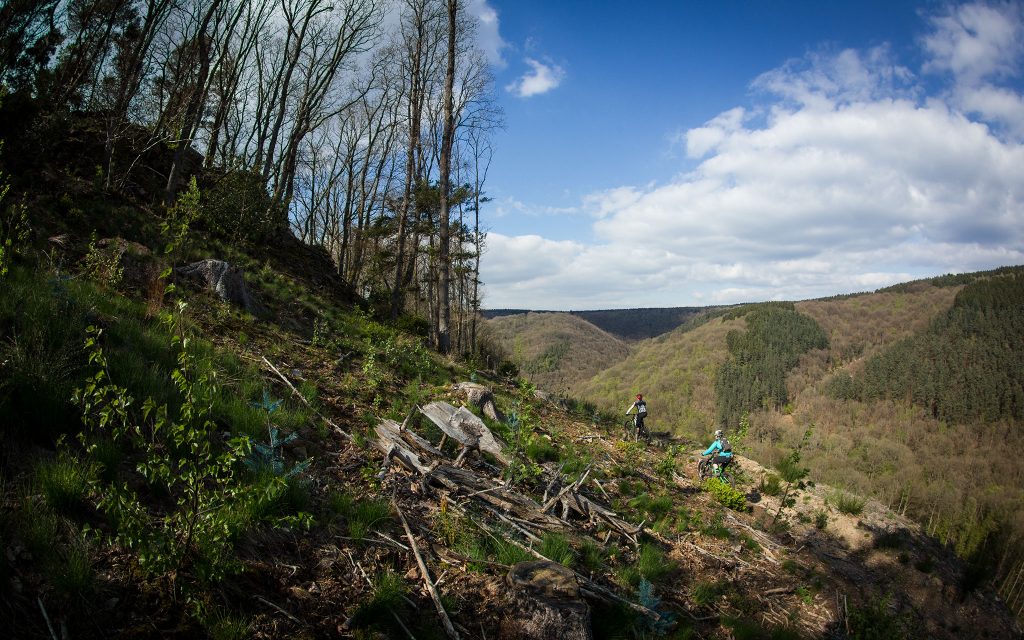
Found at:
(467, 429)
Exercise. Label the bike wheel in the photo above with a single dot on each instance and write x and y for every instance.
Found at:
(629, 430)
(703, 470)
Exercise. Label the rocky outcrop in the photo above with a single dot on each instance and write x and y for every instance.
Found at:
(227, 281)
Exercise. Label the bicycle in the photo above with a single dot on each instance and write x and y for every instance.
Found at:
(705, 470)
(630, 432)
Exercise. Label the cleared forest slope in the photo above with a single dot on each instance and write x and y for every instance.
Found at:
(556, 350)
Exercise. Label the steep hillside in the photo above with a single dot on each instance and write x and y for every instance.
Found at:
(938, 471)
(556, 350)
(676, 373)
(268, 490)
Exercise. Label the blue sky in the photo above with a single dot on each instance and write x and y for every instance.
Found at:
(689, 153)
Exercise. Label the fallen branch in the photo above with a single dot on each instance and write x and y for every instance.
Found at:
(434, 595)
(47, 618)
(341, 432)
(274, 606)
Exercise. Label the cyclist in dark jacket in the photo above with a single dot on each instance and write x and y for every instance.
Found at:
(641, 413)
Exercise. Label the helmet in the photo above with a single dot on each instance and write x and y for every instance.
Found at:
(639, 396)
(718, 433)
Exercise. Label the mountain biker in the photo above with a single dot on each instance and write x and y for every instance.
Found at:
(721, 445)
(641, 414)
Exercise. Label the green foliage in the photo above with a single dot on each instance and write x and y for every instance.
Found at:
(387, 595)
(507, 553)
(37, 526)
(771, 485)
(820, 519)
(103, 264)
(651, 564)
(652, 506)
(361, 515)
(847, 503)
(875, 620)
(555, 546)
(646, 597)
(715, 527)
(182, 455)
(178, 222)
(726, 495)
(792, 472)
(221, 623)
(707, 592)
(237, 207)
(40, 324)
(961, 368)
(269, 457)
(592, 556)
(71, 571)
(64, 482)
(14, 227)
(540, 449)
(754, 375)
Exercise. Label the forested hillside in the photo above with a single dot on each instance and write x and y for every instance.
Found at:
(555, 350)
(909, 395)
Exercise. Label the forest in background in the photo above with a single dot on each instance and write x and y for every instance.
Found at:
(360, 126)
(911, 394)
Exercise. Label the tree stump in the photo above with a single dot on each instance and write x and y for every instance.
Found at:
(546, 603)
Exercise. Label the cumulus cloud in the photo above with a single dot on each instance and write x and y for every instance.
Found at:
(488, 31)
(541, 78)
(980, 45)
(842, 177)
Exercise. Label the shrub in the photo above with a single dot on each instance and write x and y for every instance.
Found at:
(725, 494)
(820, 519)
(771, 485)
(183, 454)
(237, 207)
(847, 503)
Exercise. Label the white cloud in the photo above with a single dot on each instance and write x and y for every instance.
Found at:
(541, 78)
(508, 206)
(488, 31)
(844, 180)
(980, 45)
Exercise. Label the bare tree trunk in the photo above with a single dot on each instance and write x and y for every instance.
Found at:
(444, 343)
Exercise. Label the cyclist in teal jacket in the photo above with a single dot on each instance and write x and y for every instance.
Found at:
(724, 449)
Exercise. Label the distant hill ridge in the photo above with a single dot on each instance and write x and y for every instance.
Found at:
(628, 324)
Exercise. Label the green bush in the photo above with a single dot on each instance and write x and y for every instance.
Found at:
(771, 485)
(725, 494)
(237, 207)
(847, 503)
